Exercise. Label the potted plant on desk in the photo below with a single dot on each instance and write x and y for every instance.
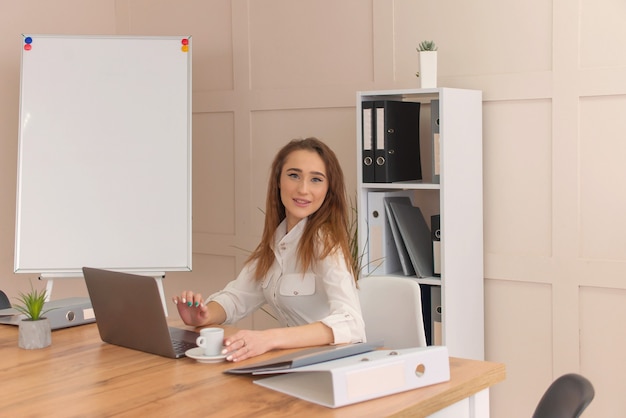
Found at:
(34, 330)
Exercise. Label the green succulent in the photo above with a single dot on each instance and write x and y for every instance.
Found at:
(427, 46)
(31, 304)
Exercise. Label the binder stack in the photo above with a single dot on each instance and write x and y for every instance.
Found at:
(403, 253)
(391, 147)
(400, 241)
(385, 254)
(415, 234)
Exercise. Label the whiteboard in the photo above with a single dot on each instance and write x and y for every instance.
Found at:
(104, 155)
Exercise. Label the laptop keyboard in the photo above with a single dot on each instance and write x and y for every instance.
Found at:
(182, 339)
(182, 346)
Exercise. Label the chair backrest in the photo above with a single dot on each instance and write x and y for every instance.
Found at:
(392, 311)
(566, 397)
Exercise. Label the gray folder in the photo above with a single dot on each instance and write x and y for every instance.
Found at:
(306, 357)
(405, 260)
(416, 236)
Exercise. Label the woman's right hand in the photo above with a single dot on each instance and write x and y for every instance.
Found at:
(191, 308)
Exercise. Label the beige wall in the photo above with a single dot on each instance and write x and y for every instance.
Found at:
(265, 71)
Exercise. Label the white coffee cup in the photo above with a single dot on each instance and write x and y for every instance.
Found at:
(211, 340)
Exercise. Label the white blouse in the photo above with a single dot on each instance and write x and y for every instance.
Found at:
(326, 292)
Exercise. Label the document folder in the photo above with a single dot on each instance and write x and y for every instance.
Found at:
(403, 254)
(367, 128)
(435, 228)
(435, 315)
(427, 312)
(362, 377)
(397, 141)
(416, 236)
(62, 313)
(383, 254)
(305, 357)
(436, 140)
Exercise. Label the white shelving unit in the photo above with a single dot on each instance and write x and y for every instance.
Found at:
(458, 198)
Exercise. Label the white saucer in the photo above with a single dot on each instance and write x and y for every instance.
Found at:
(196, 354)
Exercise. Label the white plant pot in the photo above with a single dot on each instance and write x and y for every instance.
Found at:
(428, 69)
(34, 334)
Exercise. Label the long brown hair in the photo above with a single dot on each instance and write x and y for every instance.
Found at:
(326, 230)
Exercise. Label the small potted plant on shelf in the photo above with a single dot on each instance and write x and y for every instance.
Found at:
(34, 330)
(428, 64)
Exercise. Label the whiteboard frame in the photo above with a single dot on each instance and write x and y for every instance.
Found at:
(104, 155)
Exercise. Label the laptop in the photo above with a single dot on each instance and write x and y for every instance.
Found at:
(129, 313)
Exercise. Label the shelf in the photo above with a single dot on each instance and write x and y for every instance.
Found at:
(403, 185)
(458, 199)
(435, 281)
(424, 95)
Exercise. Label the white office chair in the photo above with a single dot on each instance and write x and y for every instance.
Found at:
(392, 311)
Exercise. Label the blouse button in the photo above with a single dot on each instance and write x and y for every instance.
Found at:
(295, 292)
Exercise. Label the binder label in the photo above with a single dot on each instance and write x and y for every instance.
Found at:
(366, 383)
(367, 130)
(380, 128)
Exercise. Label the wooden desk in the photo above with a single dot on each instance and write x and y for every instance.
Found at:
(80, 376)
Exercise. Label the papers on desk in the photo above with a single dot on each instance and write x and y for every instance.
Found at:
(362, 377)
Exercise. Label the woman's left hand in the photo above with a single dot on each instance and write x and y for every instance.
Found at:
(245, 344)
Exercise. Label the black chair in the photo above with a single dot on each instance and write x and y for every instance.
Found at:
(4, 301)
(566, 397)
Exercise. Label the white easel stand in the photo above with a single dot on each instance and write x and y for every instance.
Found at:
(159, 276)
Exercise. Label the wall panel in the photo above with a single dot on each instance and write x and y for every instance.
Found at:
(602, 33)
(602, 172)
(602, 313)
(518, 333)
(312, 47)
(473, 37)
(213, 173)
(517, 150)
(209, 23)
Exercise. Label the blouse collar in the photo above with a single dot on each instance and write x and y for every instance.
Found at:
(294, 235)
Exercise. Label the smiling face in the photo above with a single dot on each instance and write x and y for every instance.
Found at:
(303, 185)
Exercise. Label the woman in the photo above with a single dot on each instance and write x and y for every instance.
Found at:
(301, 267)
